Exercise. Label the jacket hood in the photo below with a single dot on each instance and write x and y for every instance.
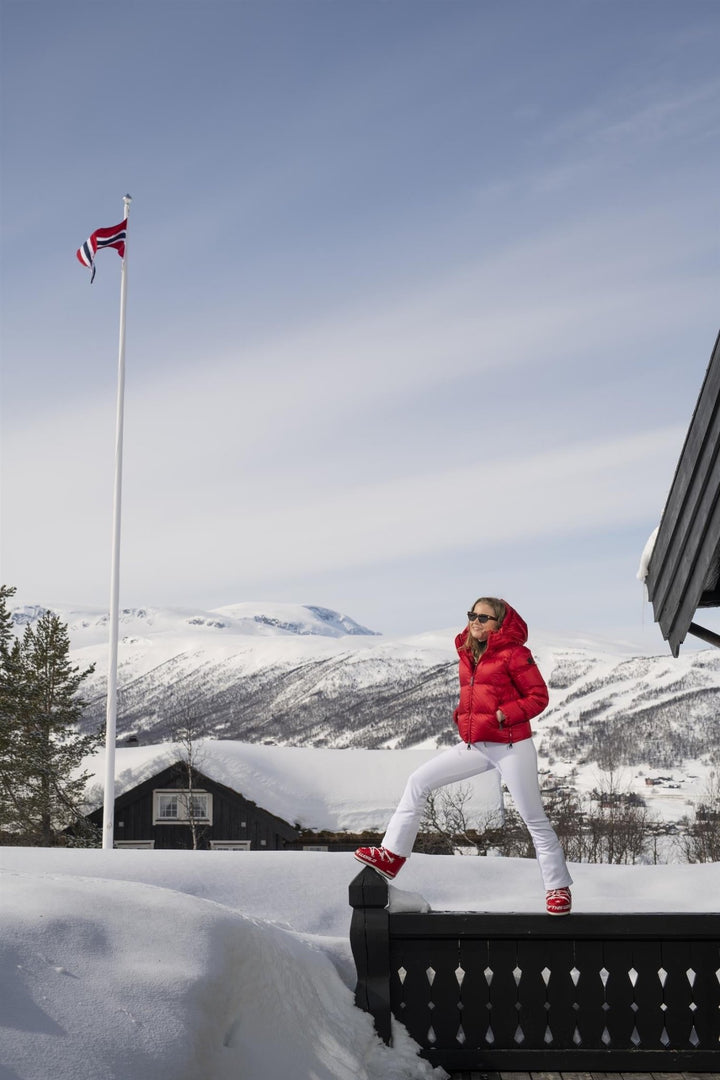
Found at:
(513, 631)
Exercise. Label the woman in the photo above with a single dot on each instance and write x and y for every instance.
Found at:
(501, 690)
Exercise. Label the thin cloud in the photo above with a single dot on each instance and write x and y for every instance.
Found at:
(578, 489)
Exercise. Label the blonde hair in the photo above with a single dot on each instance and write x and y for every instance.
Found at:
(499, 608)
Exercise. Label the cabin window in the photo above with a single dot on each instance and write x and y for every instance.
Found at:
(142, 845)
(177, 806)
(230, 845)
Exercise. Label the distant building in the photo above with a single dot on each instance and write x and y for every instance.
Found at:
(157, 813)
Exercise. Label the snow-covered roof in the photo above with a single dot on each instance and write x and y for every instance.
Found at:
(319, 788)
(642, 572)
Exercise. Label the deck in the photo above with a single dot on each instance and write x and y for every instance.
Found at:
(574, 1075)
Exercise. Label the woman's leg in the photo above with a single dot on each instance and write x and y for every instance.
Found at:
(457, 763)
(518, 767)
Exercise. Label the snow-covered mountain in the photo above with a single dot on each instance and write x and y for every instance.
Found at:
(90, 626)
(298, 675)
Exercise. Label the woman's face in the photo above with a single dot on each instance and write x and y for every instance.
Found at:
(481, 631)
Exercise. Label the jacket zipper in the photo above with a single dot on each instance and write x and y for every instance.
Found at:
(472, 684)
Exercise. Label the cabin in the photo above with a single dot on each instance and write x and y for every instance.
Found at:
(166, 811)
(683, 572)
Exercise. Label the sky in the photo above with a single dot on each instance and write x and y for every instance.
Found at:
(421, 295)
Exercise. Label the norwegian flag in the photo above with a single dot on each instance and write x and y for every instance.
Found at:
(102, 238)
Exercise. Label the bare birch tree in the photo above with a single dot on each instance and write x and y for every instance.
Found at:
(187, 739)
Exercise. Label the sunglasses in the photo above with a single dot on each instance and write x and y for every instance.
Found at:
(472, 616)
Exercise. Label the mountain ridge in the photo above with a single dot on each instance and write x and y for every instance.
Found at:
(293, 677)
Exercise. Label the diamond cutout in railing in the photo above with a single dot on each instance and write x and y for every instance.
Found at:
(634, 1006)
(606, 1037)
(517, 1006)
(519, 1035)
(545, 975)
(402, 974)
(548, 1036)
(717, 975)
(633, 975)
(430, 973)
(431, 1004)
(690, 976)
(693, 1037)
(604, 1006)
(489, 1036)
(692, 1006)
(577, 1037)
(604, 975)
(431, 1036)
(664, 1038)
(663, 1006)
(459, 975)
(574, 975)
(517, 974)
(488, 973)
(635, 1037)
(662, 976)
(461, 1037)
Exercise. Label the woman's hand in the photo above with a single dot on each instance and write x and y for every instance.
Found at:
(500, 717)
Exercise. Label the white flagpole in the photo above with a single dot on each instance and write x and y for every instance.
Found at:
(109, 804)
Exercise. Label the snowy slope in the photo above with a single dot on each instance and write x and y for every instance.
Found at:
(278, 672)
(190, 965)
(282, 674)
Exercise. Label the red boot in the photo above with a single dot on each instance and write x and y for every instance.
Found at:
(381, 860)
(558, 901)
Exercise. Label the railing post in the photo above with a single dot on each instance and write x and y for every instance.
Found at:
(370, 944)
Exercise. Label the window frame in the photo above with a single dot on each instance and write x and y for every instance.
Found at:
(178, 793)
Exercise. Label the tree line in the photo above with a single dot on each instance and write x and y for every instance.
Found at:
(606, 825)
(42, 785)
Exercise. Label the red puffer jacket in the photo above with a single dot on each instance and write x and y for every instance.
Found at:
(505, 677)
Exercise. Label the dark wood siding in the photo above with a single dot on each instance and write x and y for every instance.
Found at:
(233, 817)
(685, 564)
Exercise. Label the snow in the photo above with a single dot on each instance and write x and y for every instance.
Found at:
(292, 618)
(353, 790)
(254, 636)
(182, 965)
(357, 790)
(642, 572)
(89, 626)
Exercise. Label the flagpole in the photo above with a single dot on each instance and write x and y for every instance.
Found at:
(111, 711)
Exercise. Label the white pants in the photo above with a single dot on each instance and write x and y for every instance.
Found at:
(517, 765)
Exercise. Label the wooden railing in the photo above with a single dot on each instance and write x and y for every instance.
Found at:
(530, 992)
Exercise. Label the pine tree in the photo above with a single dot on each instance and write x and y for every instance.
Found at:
(47, 749)
(6, 634)
(9, 661)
